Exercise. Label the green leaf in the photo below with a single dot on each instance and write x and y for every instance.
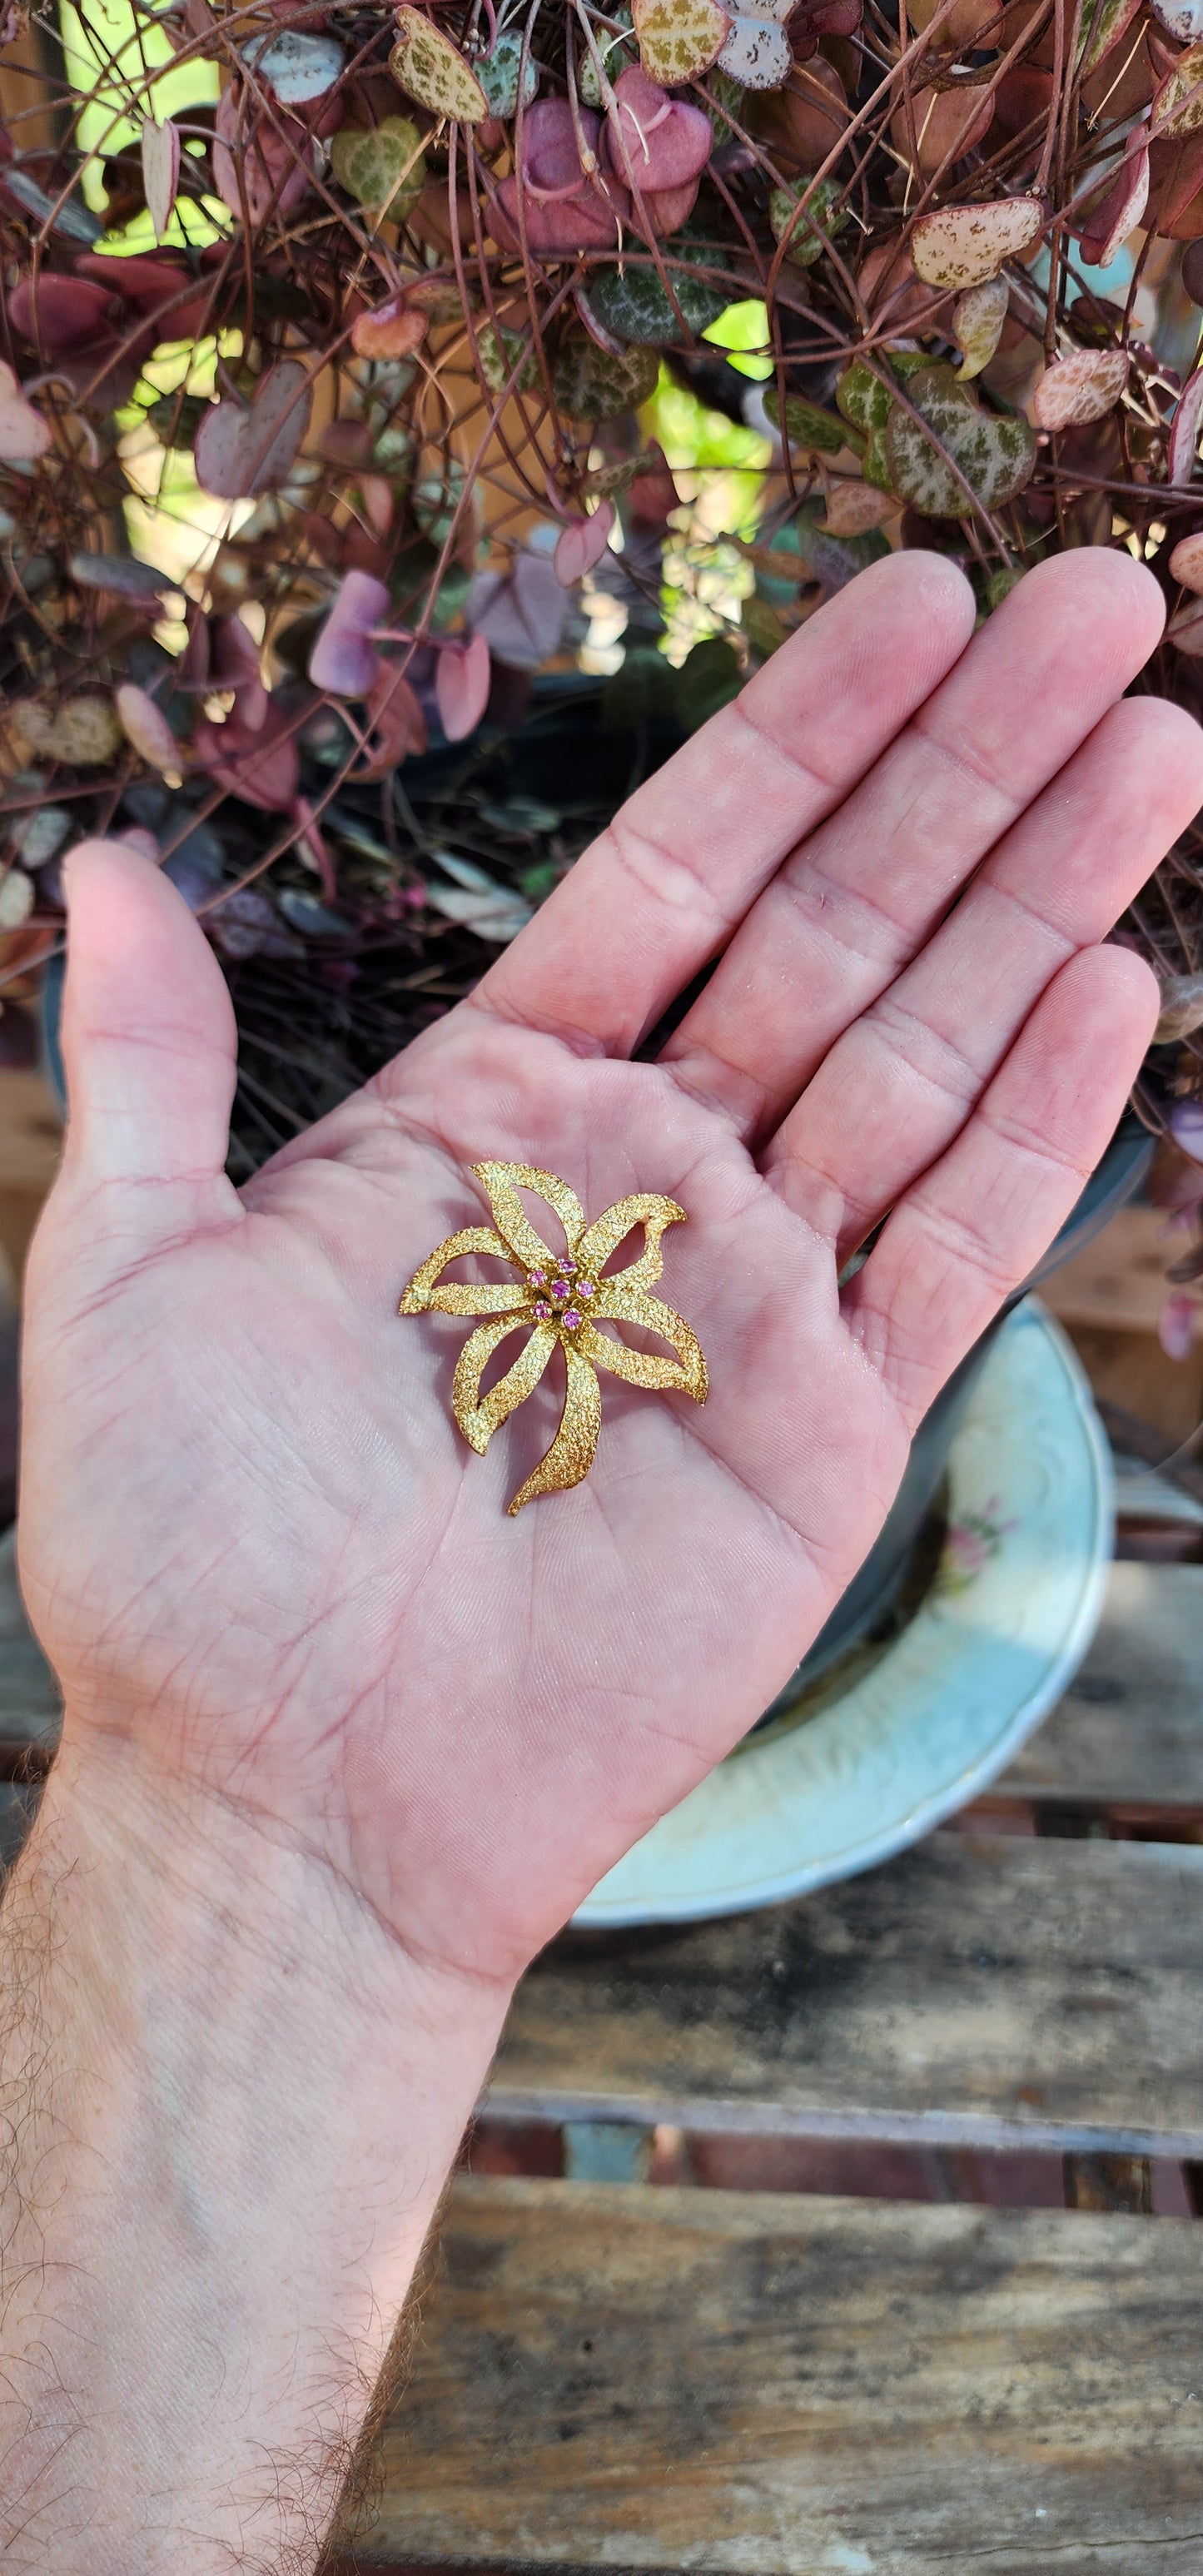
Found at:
(498, 76)
(835, 561)
(617, 53)
(862, 396)
(498, 358)
(591, 385)
(811, 233)
(809, 426)
(709, 677)
(631, 302)
(995, 452)
(642, 691)
(765, 629)
(381, 165)
(875, 463)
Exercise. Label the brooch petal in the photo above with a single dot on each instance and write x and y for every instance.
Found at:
(574, 1448)
(501, 1183)
(686, 1375)
(478, 1421)
(457, 1298)
(606, 1233)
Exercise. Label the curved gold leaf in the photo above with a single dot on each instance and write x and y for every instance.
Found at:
(572, 1452)
(620, 1305)
(478, 1422)
(502, 1182)
(606, 1233)
(422, 1295)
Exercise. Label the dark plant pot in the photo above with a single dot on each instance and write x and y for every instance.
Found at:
(872, 1591)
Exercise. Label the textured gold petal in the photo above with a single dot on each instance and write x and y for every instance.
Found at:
(606, 1233)
(421, 1294)
(502, 1182)
(622, 1305)
(478, 1422)
(572, 1452)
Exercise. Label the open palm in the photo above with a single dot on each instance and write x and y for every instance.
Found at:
(256, 1546)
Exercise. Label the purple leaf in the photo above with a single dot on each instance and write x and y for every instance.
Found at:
(522, 613)
(582, 545)
(344, 660)
(655, 141)
(241, 452)
(461, 687)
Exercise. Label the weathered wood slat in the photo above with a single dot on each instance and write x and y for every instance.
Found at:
(1129, 1731)
(992, 1993)
(619, 2377)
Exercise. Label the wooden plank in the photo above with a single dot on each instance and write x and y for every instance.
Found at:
(622, 2377)
(974, 1993)
(1129, 1730)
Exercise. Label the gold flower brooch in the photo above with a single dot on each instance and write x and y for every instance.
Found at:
(560, 1301)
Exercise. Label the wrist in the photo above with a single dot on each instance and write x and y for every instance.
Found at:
(251, 2098)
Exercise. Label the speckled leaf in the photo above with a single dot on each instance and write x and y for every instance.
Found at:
(631, 302)
(590, 385)
(83, 733)
(499, 357)
(426, 64)
(498, 73)
(995, 454)
(835, 561)
(854, 508)
(757, 54)
(16, 898)
(977, 320)
(617, 53)
(1103, 23)
(382, 165)
(1178, 104)
(861, 395)
(1080, 388)
(1186, 562)
(297, 67)
(809, 426)
(1180, 18)
(960, 246)
(678, 38)
(1184, 434)
(1120, 211)
(807, 235)
(160, 171)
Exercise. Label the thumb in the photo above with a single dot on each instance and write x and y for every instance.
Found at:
(148, 1037)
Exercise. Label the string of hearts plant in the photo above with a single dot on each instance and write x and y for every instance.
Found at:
(330, 337)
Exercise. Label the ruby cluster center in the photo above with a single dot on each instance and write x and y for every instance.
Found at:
(559, 1292)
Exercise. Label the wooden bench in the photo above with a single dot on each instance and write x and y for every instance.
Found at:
(621, 2375)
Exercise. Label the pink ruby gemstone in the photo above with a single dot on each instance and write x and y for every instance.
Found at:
(538, 1278)
(559, 1288)
(571, 1318)
(586, 1288)
(543, 1312)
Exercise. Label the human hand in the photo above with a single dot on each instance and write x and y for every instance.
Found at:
(261, 1557)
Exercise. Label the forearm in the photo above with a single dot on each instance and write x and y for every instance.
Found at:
(228, 2105)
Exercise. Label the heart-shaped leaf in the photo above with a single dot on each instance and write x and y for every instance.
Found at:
(262, 767)
(395, 719)
(808, 425)
(995, 453)
(521, 614)
(977, 320)
(709, 677)
(241, 452)
(1185, 629)
(296, 66)
(498, 73)
(678, 38)
(1184, 433)
(160, 171)
(960, 246)
(1181, 18)
(835, 561)
(145, 726)
(392, 330)
(807, 234)
(1178, 104)
(1103, 23)
(590, 384)
(582, 544)
(1080, 388)
(757, 53)
(344, 658)
(631, 302)
(854, 508)
(24, 435)
(1186, 562)
(124, 575)
(1119, 212)
(382, 165)
(83, 733)
(500, 355)
(426, 64)
(461, 687)
(862, 396)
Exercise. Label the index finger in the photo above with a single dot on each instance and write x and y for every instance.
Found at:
(663, 888)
